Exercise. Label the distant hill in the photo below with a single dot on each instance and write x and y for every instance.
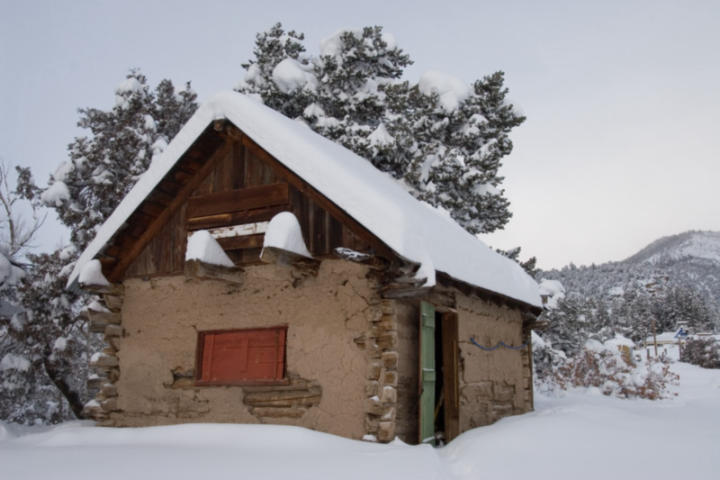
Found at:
(684, 246)
(675, 278)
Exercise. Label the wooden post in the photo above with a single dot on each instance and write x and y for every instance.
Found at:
(654, 336)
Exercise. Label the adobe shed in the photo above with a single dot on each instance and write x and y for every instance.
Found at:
(400, 324)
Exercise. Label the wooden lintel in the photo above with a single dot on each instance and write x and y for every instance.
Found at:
(410, 292)
(242, 242)
(285, 257)
(202, 270)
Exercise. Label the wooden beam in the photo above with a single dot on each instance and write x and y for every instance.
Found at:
(136, 248)
(293, 179)
(241, 242)
(236, 218)
(248, 198)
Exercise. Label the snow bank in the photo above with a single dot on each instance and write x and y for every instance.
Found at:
(578, 435)
(451, 90)
(202, 246)
(284, 233)
(371, 197)
(91, 274)
(189, 452)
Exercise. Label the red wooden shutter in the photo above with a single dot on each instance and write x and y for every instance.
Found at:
(242, 356)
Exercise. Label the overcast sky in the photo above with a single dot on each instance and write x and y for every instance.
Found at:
(621, 144)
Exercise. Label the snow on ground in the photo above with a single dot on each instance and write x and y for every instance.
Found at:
(579, 435)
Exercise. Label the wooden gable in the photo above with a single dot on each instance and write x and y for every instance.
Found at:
(225, 179)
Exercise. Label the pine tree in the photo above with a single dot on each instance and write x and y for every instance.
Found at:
(103, 166)
(83, 191)
(446, 150)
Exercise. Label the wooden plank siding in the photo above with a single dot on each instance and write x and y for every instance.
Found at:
(245, 185)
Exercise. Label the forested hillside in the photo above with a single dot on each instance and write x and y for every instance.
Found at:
(674, 279)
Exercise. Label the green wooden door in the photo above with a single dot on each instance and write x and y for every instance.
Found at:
(427, 373)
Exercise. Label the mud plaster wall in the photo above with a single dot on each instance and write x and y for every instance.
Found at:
(407, 409)
(492, 384)
(162, 316)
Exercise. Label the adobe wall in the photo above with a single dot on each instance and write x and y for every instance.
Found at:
(492, 384)
(329, 318)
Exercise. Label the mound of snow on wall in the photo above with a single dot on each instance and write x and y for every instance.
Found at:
(202, 246)
(284, 233)
(91, 274)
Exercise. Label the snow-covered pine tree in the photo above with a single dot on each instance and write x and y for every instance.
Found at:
(31, 369)
(103, 166)
(443, 139)
(83, 191)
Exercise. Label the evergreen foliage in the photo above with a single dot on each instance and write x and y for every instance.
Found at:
(45, 328)
(105, 164)
(442, 139)
(658, 288)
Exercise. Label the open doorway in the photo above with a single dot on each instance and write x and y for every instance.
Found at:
(439, 409)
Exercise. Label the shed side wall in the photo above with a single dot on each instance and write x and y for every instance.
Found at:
(492, 384)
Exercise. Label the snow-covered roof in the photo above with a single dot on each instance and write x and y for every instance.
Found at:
(414, 230)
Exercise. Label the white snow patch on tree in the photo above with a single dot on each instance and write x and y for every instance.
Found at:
(202, 246)
(62, 171)
(60, 344)
(284, 233)
(91, 274)
(332, 45)
(451, 90)
(380, 137)
(553, 290)
(5, 268)
(290, 75)
(56, 194)
(122, 93)
(14, 362)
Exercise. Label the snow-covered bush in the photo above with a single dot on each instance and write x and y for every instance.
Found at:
(704, 352)
(607, 366)
(548, 362)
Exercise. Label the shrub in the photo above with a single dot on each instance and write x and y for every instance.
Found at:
(704, 352)
(608, 367)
